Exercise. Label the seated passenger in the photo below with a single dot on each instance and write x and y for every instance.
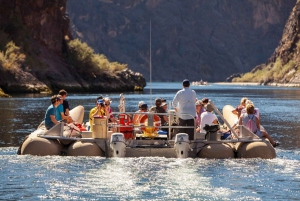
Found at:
(107, 103)
(50, 116)
(256, 111)
(158, 109)
(99, 110)
(60, 115)
(237, 111)
(165, 106)
(250, 116)
(136, 117)
(208, 117)
(199, 110)
(65, 104)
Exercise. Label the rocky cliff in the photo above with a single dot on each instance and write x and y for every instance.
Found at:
(198, 39)
(283, 65)
(34, 53)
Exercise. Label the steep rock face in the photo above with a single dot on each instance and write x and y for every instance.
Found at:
(290, 38)
(287, 52)
(41, 28)
(198, 39)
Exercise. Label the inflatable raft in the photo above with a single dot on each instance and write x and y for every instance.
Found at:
(124, 142)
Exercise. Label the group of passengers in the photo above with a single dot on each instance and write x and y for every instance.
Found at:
(184, 103)
(102, 108)
(58, 110)
(246, 112)
(190, 111)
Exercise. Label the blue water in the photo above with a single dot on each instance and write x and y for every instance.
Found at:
(97, 178)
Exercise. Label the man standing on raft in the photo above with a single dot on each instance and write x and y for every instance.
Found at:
(184, 103)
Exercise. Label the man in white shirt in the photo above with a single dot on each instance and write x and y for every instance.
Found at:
(208, 117)
(184, 103)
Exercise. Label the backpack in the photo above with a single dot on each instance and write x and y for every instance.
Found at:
(251, 124)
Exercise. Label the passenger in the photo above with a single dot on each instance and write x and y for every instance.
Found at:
(184, 103)
(243, 120)
(256, 111)
(140, 104)
(165, 106)
(237, 111)
(158, 109)
(199, 110)
(50, 116)
(66, 107)
(99, 110)
(107, 103)
(208, 117)
(136, 117)
(60, 115)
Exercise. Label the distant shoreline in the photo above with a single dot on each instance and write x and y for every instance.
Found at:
(257, 84)
(238, 83)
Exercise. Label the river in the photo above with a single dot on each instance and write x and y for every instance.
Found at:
(96, 178)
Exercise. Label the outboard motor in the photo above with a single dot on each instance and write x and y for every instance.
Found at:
(117, 144)
(211, 132)
(182, 145)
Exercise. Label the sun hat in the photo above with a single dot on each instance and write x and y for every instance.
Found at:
(141, 103)
(209, 108)
(107, 99)
(163, 104)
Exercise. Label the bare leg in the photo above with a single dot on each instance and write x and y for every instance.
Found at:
(266, 135)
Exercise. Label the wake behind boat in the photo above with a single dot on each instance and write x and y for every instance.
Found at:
(121, 139)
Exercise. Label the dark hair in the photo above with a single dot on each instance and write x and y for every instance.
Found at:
(62, 92)
(158, 102)
(99, 97)
(205, 100)
(186, 83)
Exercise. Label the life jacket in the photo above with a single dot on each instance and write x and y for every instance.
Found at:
(144, 122)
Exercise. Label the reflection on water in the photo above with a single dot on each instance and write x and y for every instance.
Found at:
(96, 178)
(153, 178)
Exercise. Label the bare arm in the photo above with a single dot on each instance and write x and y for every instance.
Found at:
(67, 112)
(53, 119)
(63, 116)
(240, 121)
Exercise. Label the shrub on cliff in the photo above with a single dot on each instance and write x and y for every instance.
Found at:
(84, 59)
(11, 55)
(273, 72)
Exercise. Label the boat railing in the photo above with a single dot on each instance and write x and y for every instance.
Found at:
(172, 121)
